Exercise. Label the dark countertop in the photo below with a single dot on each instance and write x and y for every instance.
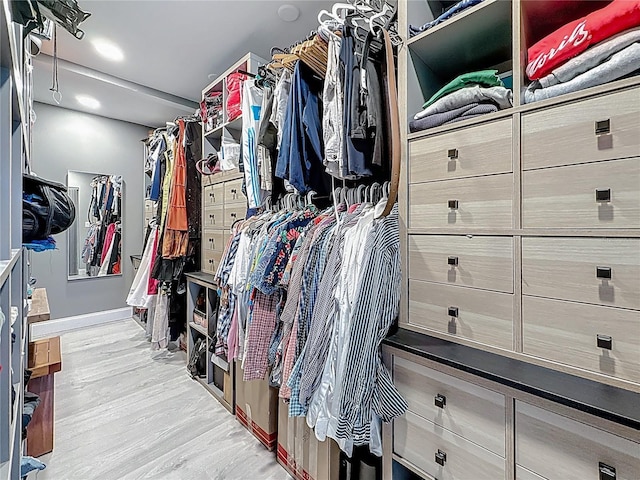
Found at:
(612, 403)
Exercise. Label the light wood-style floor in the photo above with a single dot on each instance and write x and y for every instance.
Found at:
(124, 412)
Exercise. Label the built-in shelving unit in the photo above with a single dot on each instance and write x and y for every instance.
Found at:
(228, 128)
(219, 375)
(15, 107)
(513, 225)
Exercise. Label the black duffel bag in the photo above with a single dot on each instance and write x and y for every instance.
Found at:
(46, 208)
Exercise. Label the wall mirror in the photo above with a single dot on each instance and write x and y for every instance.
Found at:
(95, 238)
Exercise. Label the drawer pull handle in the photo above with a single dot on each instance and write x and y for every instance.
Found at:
(453, 312)
(453, 261)
(440, 401)
(234, 191)
(603, 127)
(212, 195)
(234, 215)
(452, 153)
(603, 272)
(212, 216)
(604, 341)
(453, 204)
(441, 458)
(606, 472)
(603, 195)
(211, 261)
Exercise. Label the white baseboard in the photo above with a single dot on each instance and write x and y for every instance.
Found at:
(52, 328)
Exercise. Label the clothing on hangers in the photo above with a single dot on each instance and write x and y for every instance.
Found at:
(300, 300)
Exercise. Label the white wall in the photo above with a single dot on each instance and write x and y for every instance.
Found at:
(66, 140)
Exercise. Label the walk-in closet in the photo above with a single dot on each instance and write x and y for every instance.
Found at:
(320, 240)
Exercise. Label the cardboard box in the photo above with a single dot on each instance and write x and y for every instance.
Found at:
(324, 459)
(257, 408)
(301, 454)
(286, 438)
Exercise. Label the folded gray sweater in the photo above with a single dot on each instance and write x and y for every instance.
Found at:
(456, 115)
(465, 96)
(618, 65)
(590, 58)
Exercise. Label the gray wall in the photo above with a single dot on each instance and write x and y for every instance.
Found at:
(66, 140)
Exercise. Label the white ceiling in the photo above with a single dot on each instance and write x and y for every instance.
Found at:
(170, 46)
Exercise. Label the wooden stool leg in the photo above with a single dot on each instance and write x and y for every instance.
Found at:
(40, 430)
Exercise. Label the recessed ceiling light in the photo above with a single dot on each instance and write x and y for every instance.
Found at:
(108, 50)
(288, 13)
(88, 101)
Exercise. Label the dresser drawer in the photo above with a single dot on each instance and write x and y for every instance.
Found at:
(482, 150)
(213, 195)
(468, 410)
(478, 261)
(567, 134)
(524, 474)
(479, 315)
(558, 448)
(213, 217)
(233, 193)
(600, 339)
(482, 202)
(210, 261)
(603, 271)
(596, 195)
(419, 441)
(233, 213)
(214, 241)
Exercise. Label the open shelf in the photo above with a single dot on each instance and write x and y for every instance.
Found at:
(217, 132)
(16, 423)
(537, 23)
(476, 39)
(220, 362)
(198, 328)
(7, 265)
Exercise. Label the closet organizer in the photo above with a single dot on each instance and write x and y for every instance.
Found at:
(519, 347)
(308, 281)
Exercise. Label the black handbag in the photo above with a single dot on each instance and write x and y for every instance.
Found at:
(197, 365)
(46, 208)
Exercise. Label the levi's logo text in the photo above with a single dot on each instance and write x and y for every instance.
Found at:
(578, 36)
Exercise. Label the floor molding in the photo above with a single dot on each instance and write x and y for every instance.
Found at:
(56, 327)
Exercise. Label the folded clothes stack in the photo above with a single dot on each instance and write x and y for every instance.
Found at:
(596, 49)
(467, 96)
(457, 8)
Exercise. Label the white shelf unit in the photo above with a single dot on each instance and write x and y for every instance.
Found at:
(15, 108)
(229, 129)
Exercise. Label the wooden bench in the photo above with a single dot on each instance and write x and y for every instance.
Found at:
(44, 360)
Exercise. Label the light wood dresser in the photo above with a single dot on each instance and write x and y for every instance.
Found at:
(520, 232)
(223, 203)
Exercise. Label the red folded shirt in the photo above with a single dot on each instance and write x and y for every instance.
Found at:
(575, 37)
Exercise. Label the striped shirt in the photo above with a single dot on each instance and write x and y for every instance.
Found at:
(366, 383)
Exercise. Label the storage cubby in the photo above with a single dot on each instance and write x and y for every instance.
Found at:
(478, 38)
(230, 127)
(15, 106)
(539, 19)
(218, 379)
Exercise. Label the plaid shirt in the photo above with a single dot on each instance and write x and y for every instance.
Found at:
(259, 335)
